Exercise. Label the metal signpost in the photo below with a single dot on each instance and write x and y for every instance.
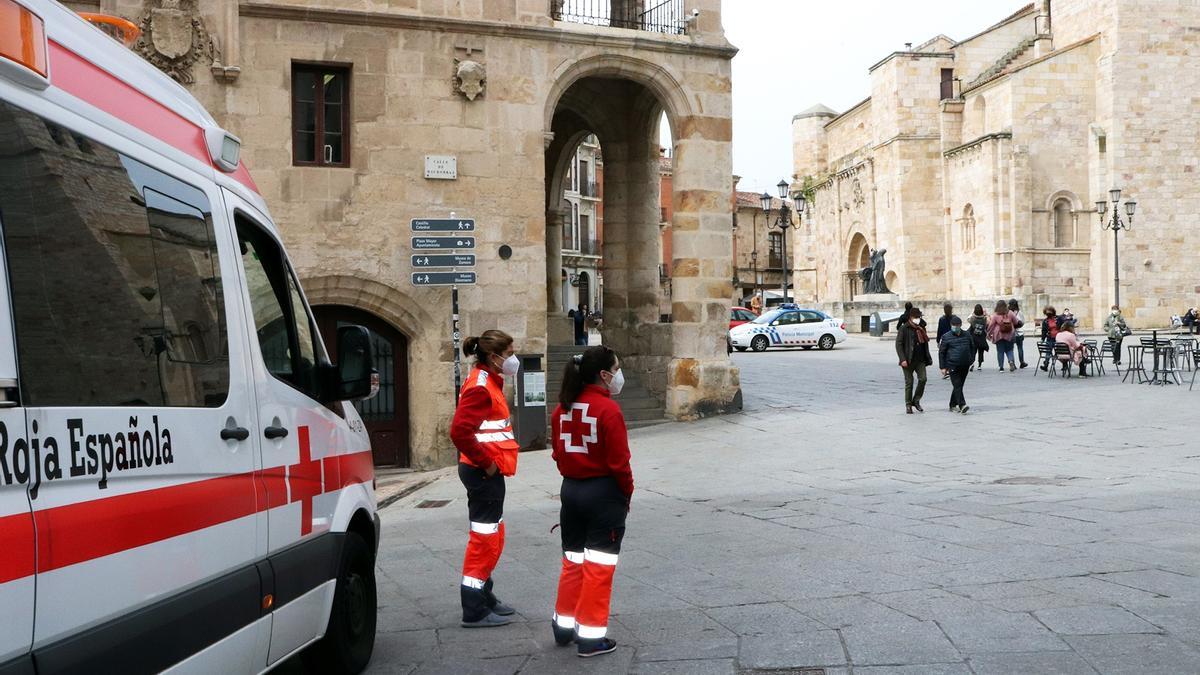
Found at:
(439, 249)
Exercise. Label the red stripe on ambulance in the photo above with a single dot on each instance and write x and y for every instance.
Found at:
(84, 80)
(77, 533)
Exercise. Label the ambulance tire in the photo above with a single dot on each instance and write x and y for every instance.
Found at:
(350, 637)
(759, 343)
(827, 342)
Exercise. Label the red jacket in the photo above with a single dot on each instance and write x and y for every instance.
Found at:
(591, 440)
(481, 428)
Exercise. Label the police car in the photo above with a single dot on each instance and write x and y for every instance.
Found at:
(185, 485)
(788, 326)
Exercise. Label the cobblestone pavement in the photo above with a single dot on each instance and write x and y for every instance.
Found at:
(1055, 529)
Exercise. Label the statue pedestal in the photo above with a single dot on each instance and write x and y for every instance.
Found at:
(879, 298)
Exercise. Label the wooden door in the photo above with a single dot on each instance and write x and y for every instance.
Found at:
(385, 415)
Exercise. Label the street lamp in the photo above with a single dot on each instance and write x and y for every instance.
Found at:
(1116, 225)
(783, 222)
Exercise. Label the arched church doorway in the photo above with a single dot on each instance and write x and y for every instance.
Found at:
(385, 415)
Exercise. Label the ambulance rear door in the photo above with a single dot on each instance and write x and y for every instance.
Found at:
(128, 328)
(17, 544)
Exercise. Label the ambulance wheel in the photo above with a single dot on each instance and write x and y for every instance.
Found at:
(740, 349)
(350, 637)
(826, 343)
(759, 343)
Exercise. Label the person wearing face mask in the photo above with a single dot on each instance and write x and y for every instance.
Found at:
(1116, 329)
(956, 353)
(487, 452)
(591, 448)
(912, 348)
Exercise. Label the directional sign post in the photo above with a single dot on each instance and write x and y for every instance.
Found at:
(443, 278)
(442, 224)
(435, 243)
(444, 260)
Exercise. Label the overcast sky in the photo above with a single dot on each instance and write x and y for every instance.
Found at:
(796, 53)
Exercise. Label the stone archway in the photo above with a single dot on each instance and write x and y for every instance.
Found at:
(401, 311)
(621, 100)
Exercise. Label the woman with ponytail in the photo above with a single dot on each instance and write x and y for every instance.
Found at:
(487, 452)
(591, 447)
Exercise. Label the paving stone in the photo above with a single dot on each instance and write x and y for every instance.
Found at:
(652, 628)
(899, 644)
(1093, 620)
(799, 650)
(850, 611)
(920, 669)
(687, 649)
(705, 667)
(999, 632)
(1039, 663)
(763, 619)
(1143, 654)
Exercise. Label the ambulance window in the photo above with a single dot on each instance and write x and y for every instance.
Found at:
(286, 344)
(116, 293)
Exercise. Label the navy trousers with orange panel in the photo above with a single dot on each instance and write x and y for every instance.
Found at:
(593, 524)
(485, 507)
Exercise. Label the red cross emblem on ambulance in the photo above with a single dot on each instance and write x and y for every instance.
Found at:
(305, 481)
(576, 429)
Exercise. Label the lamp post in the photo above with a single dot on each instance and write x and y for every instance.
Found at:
(754, 265)
(783, 222)
(1116, 225)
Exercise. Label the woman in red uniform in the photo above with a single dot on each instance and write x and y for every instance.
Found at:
(591, 448)
(482, 433)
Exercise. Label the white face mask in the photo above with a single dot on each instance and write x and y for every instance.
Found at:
(616, 383)
(510, 366)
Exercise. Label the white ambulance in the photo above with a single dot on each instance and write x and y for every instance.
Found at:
(185, 484)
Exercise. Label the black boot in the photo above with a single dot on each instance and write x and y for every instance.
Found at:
(476, 613)
(493, 603)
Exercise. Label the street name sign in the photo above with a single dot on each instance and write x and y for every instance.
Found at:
(442, 224)
(442, 260)
(433, 243)
(443, 278)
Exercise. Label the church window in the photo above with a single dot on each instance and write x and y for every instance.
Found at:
(1064, 224)
(775, 250)
(320, 115)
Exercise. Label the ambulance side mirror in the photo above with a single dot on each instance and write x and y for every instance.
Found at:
(357, 378)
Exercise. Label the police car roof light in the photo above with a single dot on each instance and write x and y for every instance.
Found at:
(789, 305)
(23, 46)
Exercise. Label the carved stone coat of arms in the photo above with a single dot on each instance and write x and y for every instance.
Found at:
(174, 38)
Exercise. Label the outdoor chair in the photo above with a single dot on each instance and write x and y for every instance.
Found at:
(1135, 366)
(1195, 367)
(1093, 357)
(1062, 354)
(1109, 349)
(1184, 348)
(1045, 356)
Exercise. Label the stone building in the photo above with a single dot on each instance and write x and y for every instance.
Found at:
(583, 229)
(977, 163)
(339, 103)
(758, 250)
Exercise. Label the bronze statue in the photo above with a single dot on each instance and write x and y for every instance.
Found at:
(873, 276)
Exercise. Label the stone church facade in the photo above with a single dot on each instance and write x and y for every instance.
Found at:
(976, 164)
(338, 103)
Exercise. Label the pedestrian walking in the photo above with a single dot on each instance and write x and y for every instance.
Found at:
(1001, 330)
(1050, 324)
(944, 326)
(591, 448)
(1019, 339)
(1116, 329)
(581, 324)
(978, 330)
(912, 348)
(487, 452)
(956, 353)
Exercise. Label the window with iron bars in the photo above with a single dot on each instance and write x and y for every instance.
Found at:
(656, 16)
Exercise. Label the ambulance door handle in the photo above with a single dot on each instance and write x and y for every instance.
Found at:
(275, 432)
(235, 434)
